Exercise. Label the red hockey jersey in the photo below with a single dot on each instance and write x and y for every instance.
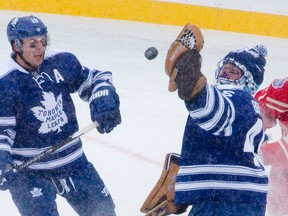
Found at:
(273, 102)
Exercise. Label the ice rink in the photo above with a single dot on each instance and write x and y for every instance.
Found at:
(130, 159)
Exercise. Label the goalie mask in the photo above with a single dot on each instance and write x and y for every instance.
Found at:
(251, 62)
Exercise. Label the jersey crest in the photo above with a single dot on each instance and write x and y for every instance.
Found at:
(51, 113)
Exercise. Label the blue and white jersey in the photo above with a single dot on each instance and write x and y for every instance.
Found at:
(218, 160)
(37, 111)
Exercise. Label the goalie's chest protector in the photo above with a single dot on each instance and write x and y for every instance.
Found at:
(217, 158)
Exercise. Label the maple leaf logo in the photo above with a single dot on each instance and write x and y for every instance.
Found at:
(51, 113)
(36, 192)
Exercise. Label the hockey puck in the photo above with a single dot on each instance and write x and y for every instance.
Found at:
(151, 53)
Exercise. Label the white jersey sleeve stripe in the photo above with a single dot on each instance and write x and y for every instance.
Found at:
(7, 121)
(200, 113)
(32, 152)
(206, 185)
(221, 169)
(250, 136)
(285, 105)
(55, 163)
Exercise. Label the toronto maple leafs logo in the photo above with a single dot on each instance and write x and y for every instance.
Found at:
(51, 113)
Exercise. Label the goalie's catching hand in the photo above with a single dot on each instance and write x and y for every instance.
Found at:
(183, 63)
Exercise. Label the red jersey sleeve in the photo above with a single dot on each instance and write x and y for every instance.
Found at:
(276, 152)
(276, 99)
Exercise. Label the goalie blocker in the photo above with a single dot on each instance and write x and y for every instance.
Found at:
(160, 201)
(183, 63)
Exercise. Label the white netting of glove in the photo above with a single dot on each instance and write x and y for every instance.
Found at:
(188, 39)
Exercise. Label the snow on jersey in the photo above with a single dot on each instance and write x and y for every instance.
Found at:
(37, 111)
(218, 160)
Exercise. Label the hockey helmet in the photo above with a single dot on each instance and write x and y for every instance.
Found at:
(251, 61)
(274, 99)
(23, 27)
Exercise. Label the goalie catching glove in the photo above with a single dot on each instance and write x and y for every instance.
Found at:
(183, 63)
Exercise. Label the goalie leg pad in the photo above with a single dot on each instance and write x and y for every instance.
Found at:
(165, 187)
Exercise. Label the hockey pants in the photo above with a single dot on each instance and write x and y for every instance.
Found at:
(84, 191)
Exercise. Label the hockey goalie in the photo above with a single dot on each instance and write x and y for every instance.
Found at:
(161, 199)
(220, 172)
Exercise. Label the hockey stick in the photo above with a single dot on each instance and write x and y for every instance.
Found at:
(51, 149)
(159, 210)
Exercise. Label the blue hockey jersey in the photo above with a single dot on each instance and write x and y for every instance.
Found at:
(37, 111)
(218, 159)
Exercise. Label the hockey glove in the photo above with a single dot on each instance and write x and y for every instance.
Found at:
(104, 108)
(189, 79)
(7, 173)
(183, 63)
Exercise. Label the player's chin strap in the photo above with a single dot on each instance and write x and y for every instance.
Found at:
(30, 68)
(52, 149)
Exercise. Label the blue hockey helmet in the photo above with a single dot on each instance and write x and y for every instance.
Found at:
(251, 61)
(23, 27)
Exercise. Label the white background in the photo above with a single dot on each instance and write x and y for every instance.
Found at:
(279, 7)
(130, 159)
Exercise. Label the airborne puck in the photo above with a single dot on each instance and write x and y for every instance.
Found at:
(151, 53)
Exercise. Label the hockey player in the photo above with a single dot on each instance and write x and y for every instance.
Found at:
(219, 173)
(37, 111)
(273, 102)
